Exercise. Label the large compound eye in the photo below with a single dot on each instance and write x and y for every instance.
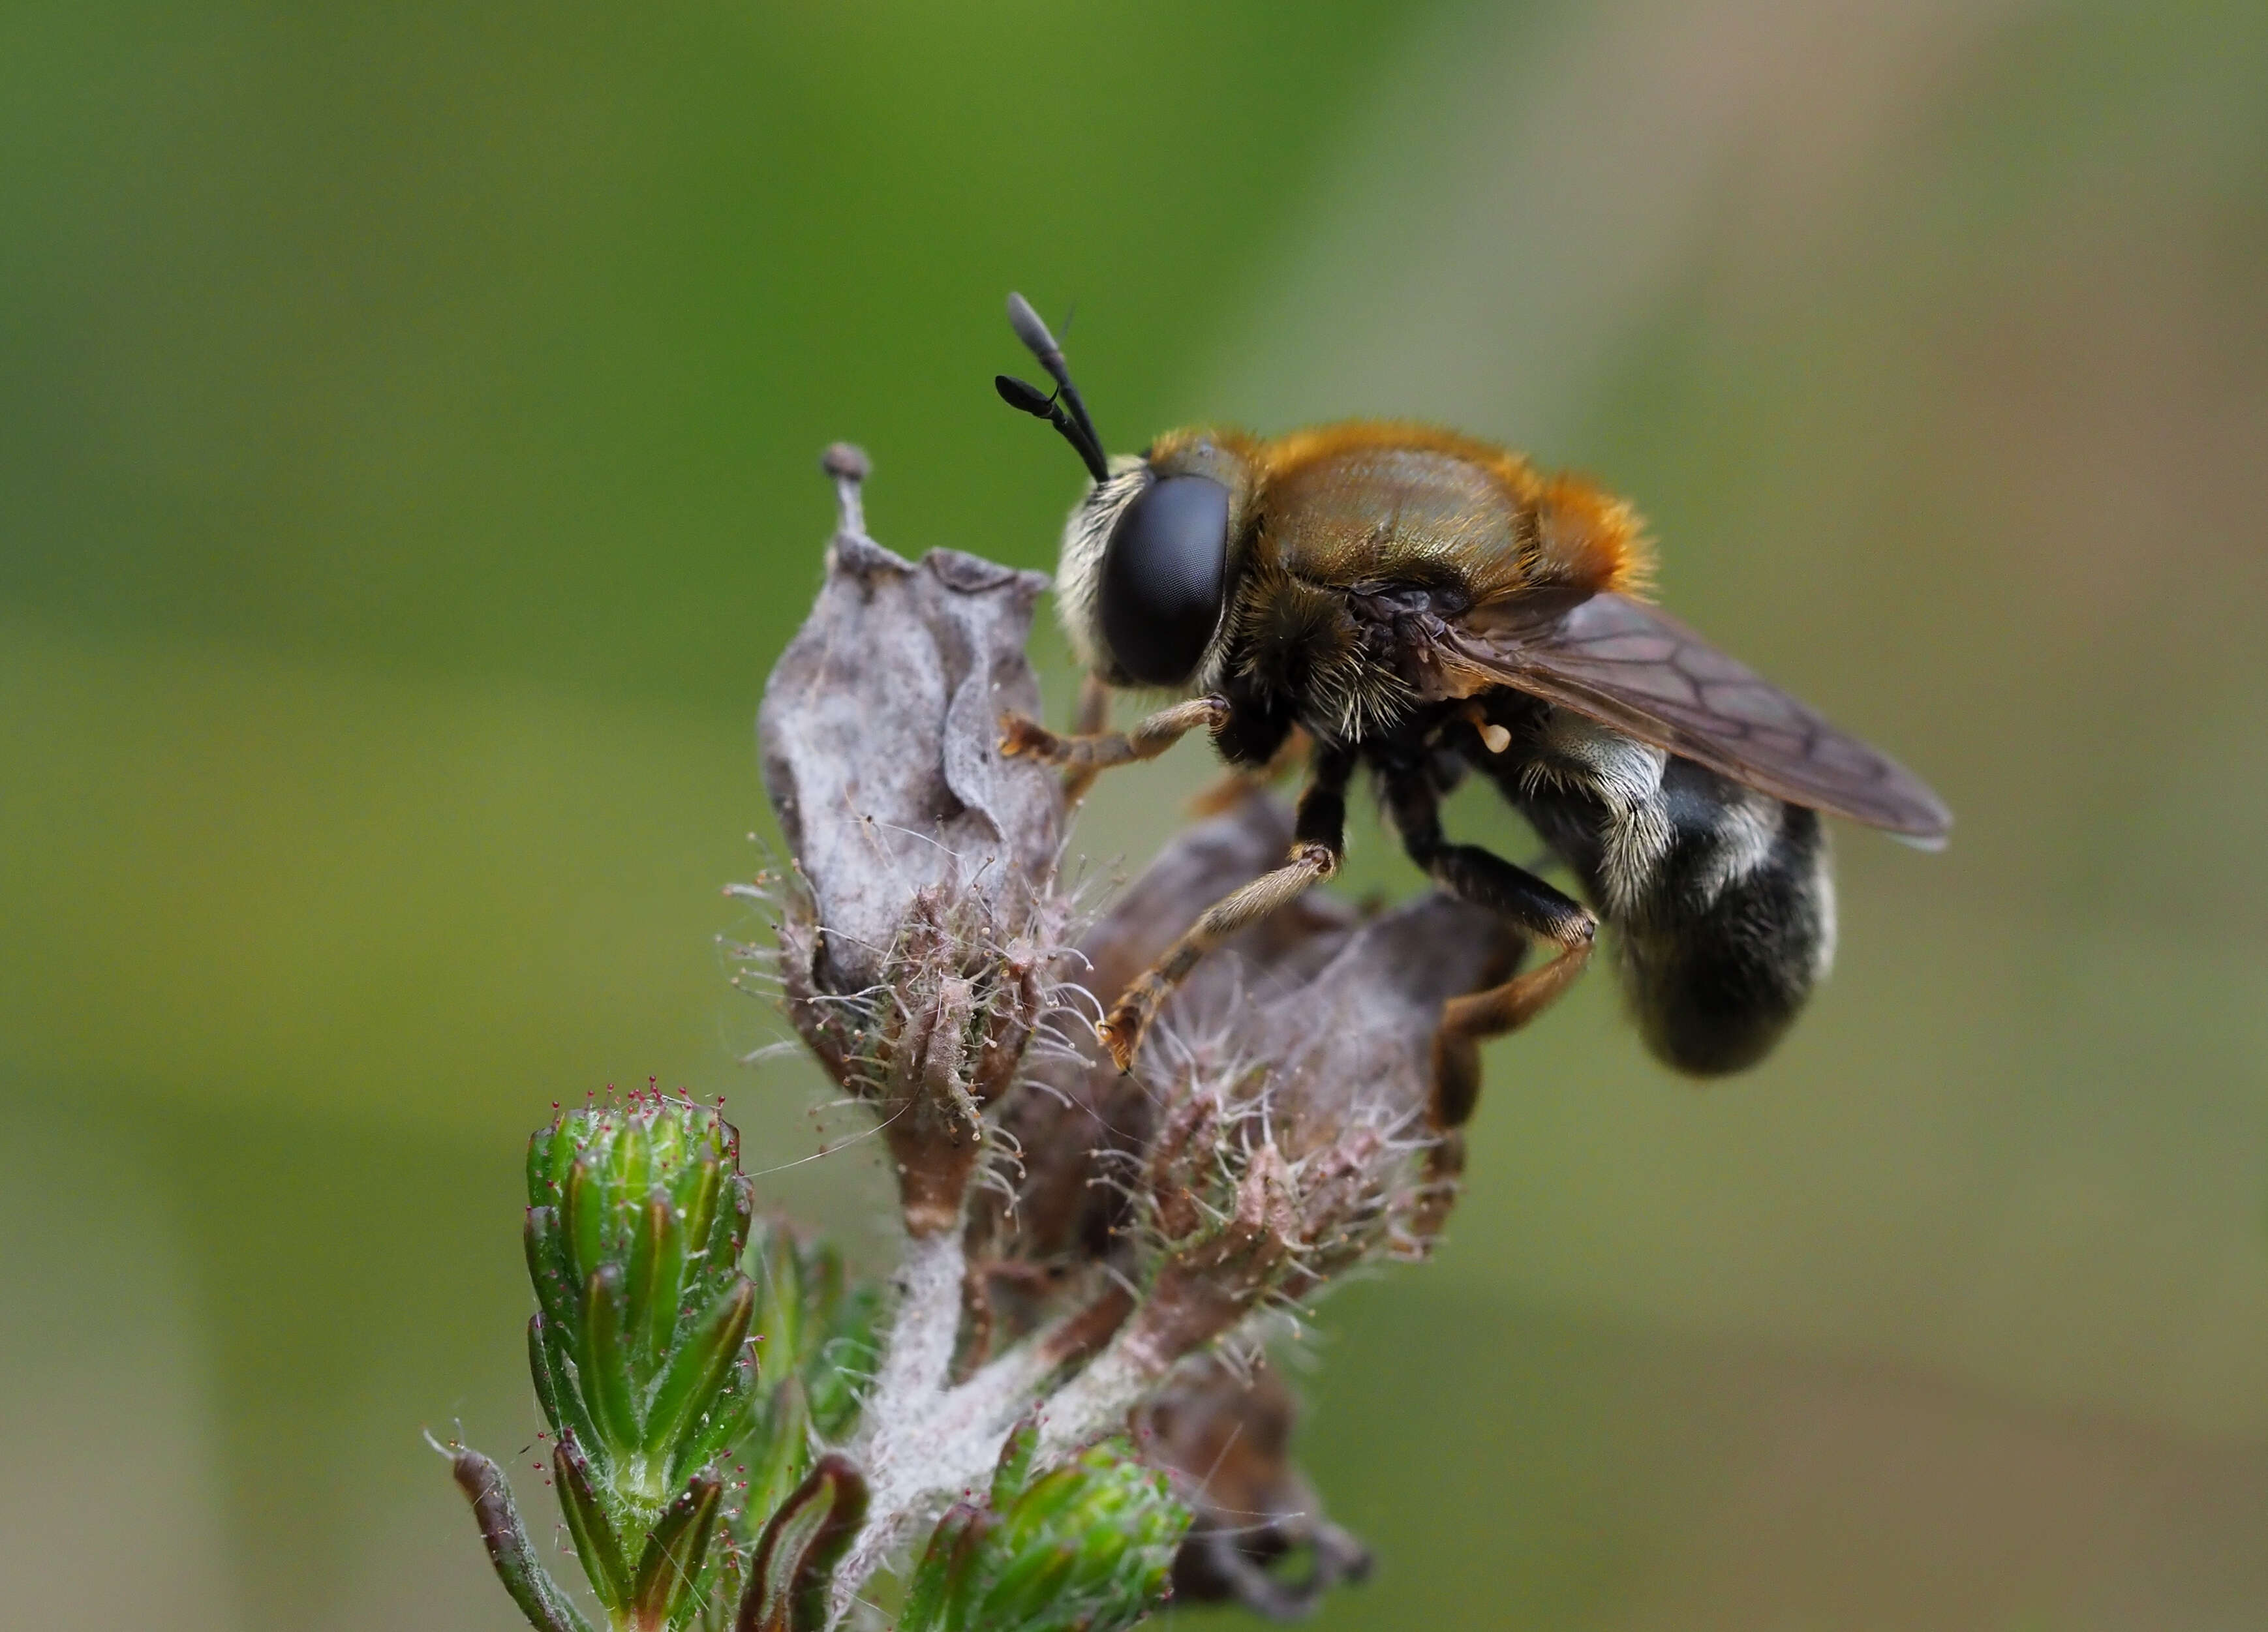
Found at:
(1161, 578)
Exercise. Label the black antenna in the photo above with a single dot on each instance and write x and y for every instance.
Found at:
(1062, 408)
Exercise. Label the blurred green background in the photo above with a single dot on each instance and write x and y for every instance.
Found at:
(408, 417)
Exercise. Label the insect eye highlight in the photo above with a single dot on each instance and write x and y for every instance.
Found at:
(1162, 574)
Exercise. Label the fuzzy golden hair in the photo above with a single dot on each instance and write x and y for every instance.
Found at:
(1564, 530)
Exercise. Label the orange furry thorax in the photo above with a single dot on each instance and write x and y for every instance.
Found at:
(1558, 530)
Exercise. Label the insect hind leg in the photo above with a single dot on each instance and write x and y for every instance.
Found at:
(1486, 879)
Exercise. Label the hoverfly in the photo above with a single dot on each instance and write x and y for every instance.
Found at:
(1431, 605)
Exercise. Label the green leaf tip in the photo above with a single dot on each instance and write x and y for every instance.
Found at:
(605, 1366)
(550, 1268)
(669, 1574)
(813, 1324)
(547, 1609)
(589, 1525)
(700, 1369)
(795, 1560)
(1012, 1474)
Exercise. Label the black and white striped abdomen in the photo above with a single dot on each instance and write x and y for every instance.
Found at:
(1722, 898)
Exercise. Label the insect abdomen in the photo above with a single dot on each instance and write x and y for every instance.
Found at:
(1717, 974)
(1722, 897)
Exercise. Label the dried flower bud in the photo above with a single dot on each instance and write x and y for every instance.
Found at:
(1278, 1121)
(1289, 1089)
(1227, 1435)
(1295, 1136)
(1088, 1115)
(920, 934)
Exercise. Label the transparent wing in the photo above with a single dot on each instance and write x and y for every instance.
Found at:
(1644, 674)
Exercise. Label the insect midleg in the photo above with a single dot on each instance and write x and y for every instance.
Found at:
(1318, 841)
(1088, 754)
(1473, 874)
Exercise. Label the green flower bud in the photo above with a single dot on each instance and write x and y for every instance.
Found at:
(643, 1307)
(1084, 1547)
(638, 1216)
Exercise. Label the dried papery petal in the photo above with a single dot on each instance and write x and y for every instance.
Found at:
(921, 930)
(879, 731)
(1227, 1433)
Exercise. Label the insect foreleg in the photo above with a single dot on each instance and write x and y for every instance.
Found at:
(1318, 841)
(1092, 720)
(1084, 755)
(1532, 905)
